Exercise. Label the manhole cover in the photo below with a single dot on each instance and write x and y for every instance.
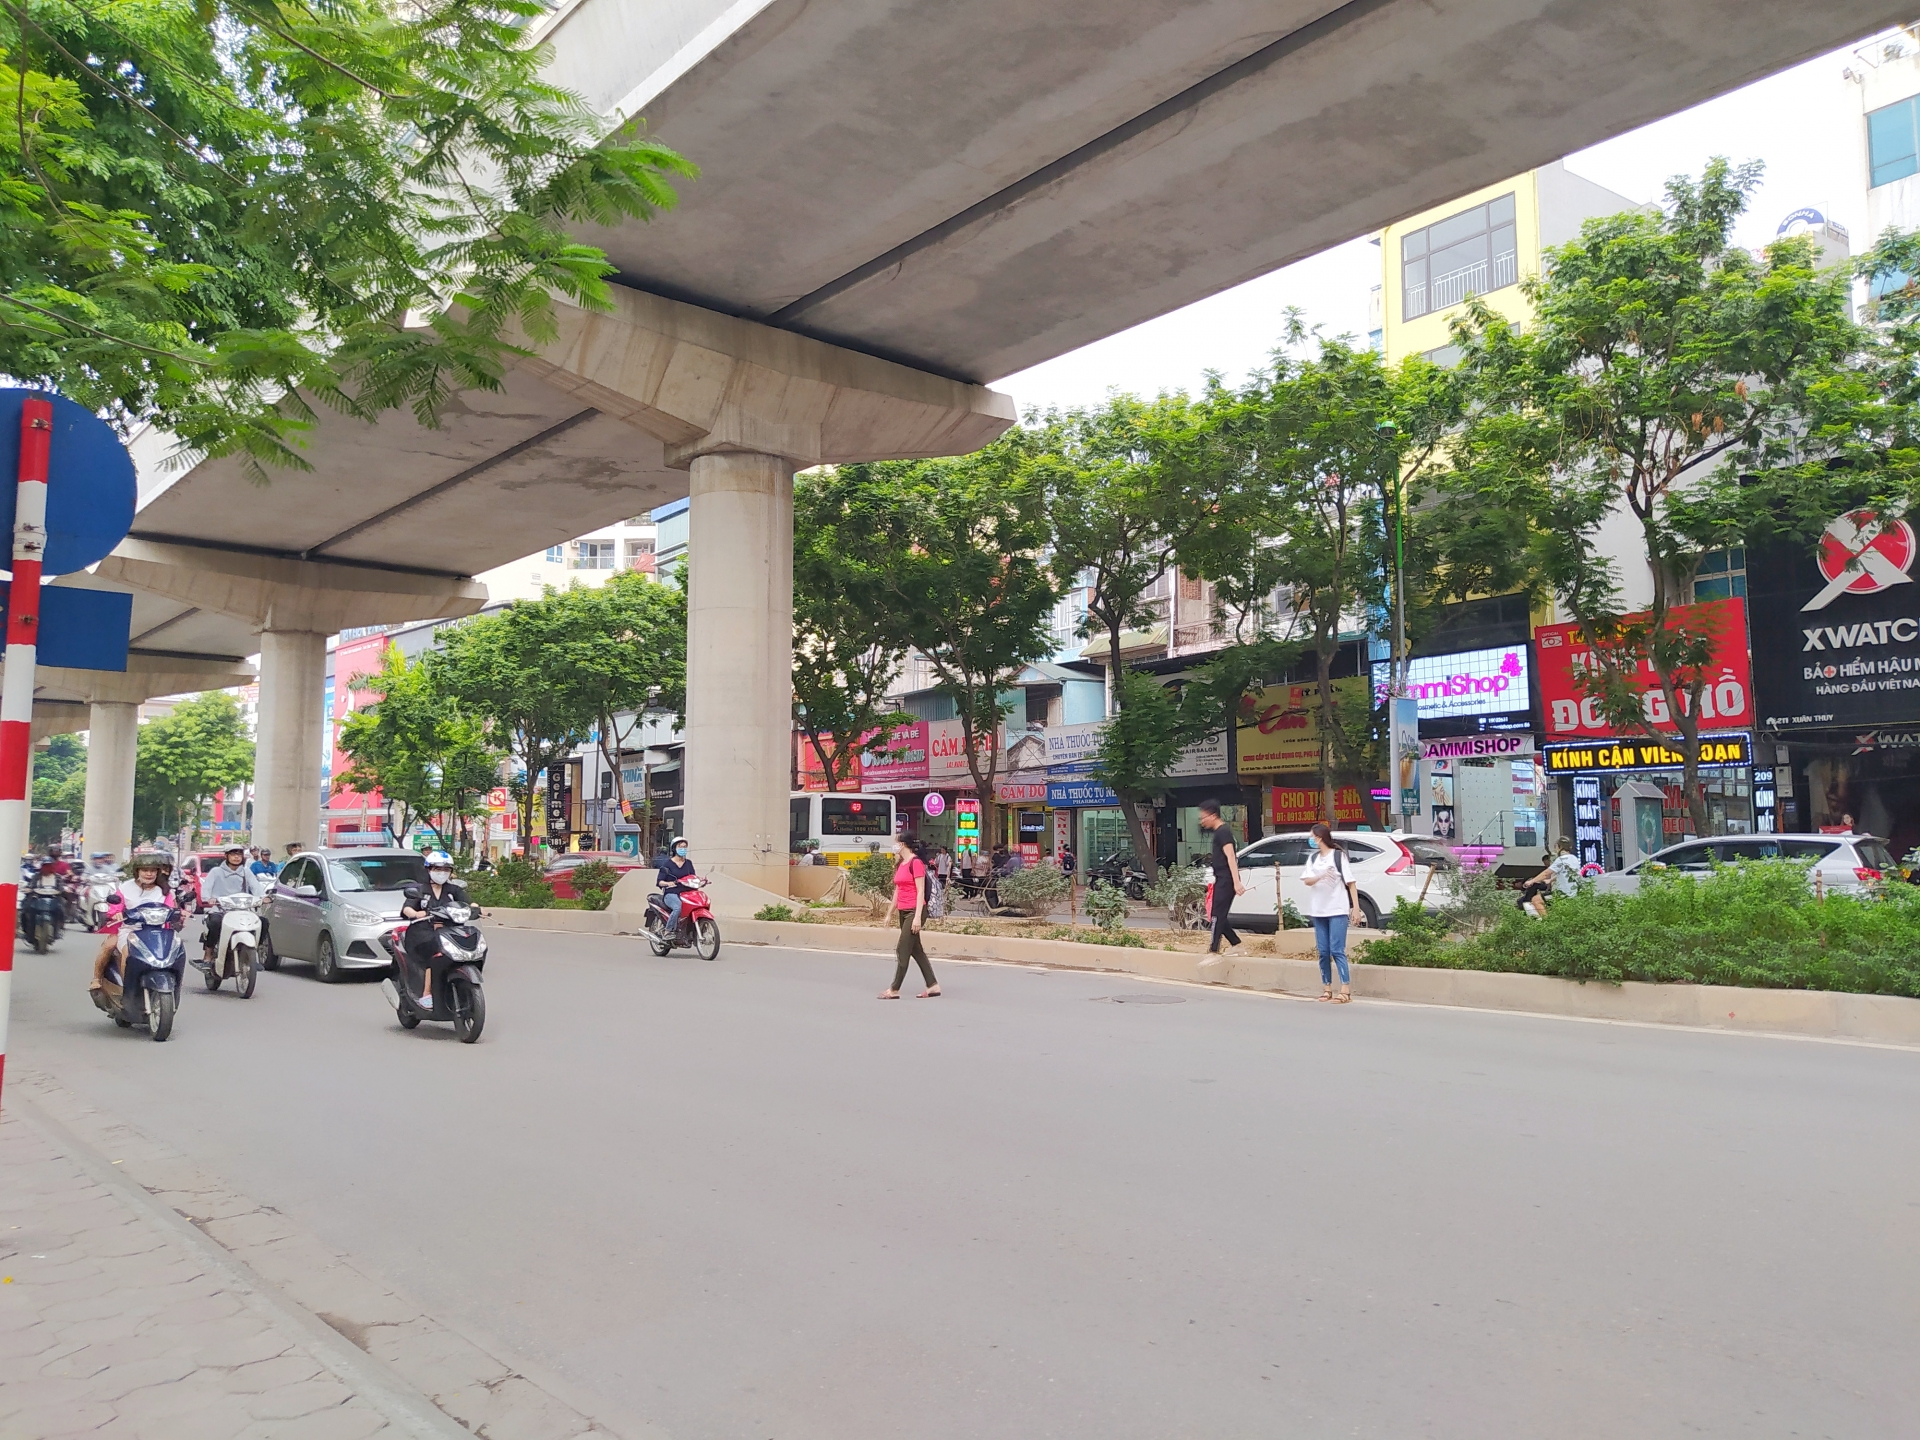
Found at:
(1143, 999)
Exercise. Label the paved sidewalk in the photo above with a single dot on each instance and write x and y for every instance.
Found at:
(142, 1299)
(111, 1326)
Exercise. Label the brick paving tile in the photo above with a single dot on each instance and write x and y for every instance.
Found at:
(113, 1327)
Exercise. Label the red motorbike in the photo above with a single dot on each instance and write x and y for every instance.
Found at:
(697, 931)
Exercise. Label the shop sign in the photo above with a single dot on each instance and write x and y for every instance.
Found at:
(1072, 748)
(966, 825)
(947, 751)
(1471, 682)
(1839, 624)
(1202, 757)
(498, 798)
(1020, 792)
(1716, 752)
(1886, 739)
(1726, 701)
(1279, 728)
(1493, 745)
(935, 804)
(1080, 795)
(1298, 807)
(559, 802)
(1589, 823)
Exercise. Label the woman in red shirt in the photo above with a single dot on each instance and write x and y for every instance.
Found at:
(910, 900)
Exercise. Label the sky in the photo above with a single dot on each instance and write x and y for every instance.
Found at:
(1801, 122)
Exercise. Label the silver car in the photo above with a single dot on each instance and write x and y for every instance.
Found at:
(1837, 862)
(332, 906)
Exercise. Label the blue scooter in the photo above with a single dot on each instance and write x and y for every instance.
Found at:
(152, 972)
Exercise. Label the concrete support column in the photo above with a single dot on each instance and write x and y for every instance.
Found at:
(113, 730)
(286, 761)
(740, 665)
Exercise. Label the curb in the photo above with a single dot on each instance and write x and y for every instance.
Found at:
(1815, 1014)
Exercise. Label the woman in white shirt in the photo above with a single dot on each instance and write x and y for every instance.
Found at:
(1332, 905)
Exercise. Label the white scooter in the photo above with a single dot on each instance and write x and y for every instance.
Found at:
(237, 957)
(98, 896)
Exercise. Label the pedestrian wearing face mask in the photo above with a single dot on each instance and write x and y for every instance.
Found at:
(674, 867)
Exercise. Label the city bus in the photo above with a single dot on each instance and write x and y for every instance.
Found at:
(842, 826)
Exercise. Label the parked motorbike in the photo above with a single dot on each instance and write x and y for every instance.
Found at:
(697, 930)
(150, 974)
(237, 955)
(449, 932)
(1121, 872)
(43, 912)
(96, 897)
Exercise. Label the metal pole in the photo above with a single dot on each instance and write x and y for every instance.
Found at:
(16, 691)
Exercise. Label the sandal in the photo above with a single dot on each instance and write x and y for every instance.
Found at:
(1326, 994)
(889, 995)
(933, 994)
(1345, 997)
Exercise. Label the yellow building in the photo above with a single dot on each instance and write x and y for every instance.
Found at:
(1484, 243)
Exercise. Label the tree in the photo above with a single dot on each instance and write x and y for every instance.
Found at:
(954, 552)
(420, 751)
(1293, 533)
(621, 648)
(184, 758)
(1684, 384)
(59, 787)
(1117, 520)
(847, 648)
(218, 214)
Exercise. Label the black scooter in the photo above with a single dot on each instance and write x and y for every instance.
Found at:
(43, 913)
(449, 933)
(152, 972)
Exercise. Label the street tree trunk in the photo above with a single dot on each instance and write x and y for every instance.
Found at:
(1143, 852)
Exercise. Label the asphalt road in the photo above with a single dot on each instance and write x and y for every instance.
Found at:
(746, 1199)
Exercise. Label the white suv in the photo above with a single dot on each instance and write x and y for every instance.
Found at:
(1382, 867)
(1841, 862)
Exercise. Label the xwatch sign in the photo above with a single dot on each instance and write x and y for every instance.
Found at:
(1836, 626)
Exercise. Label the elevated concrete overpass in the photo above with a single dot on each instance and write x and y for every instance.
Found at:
(900, 201)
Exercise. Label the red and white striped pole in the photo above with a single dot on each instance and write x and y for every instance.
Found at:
(16, 690)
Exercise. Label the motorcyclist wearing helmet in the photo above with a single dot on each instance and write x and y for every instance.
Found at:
(230, 879)
(441, 889)
(100, 862)
(147, 887)
(674, 868)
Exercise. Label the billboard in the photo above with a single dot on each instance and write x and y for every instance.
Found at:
(1836, 626)
(1469, 683)
(353, 662)
(1279, 727)
(1726, 703)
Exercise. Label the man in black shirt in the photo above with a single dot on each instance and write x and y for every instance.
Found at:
(1226, 877)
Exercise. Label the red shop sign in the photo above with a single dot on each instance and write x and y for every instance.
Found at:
(1726, 702)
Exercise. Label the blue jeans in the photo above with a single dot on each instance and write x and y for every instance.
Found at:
(672, 899)
(1330, 935)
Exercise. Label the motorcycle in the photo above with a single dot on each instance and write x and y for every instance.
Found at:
(237, 957)
(97, 896)
(43, 913)
(151, 972)
(697, 930)
(459, 1001)
(1121, 872)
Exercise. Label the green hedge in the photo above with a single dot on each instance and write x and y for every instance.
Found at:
(1754, 924)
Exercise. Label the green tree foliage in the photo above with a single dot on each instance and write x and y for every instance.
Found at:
(621, 649)
(416, 746)
(1117, 511)
(59, 784)
(1033, 889)
(1293, 529)
(1684, 383)
(219, 214)
(846, 647)
(184, 758)
(954, 554)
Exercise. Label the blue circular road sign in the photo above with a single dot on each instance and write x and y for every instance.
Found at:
(90, 484)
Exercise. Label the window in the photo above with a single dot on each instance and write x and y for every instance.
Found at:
(556, 554)
(298, 873)
(1445, 356)
(1807, 849)
(1287, 851)
(1893, 141)
(1471, 253)
(593, 554)
(377, 872)
(1721, 576)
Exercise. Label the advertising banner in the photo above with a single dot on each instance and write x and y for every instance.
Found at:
(1279, 727)
(899, 759)
(1079, 794)
(1469, 683)
(1494, 745)
(947, 752)
(1726, 703)
(1020, 792)
(1716, 752)
(1837, 626)
(354, 661)
(1298, 809)
(1404, 717)
(1071, 750)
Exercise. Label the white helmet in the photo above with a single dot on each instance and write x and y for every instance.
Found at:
(439, 860)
